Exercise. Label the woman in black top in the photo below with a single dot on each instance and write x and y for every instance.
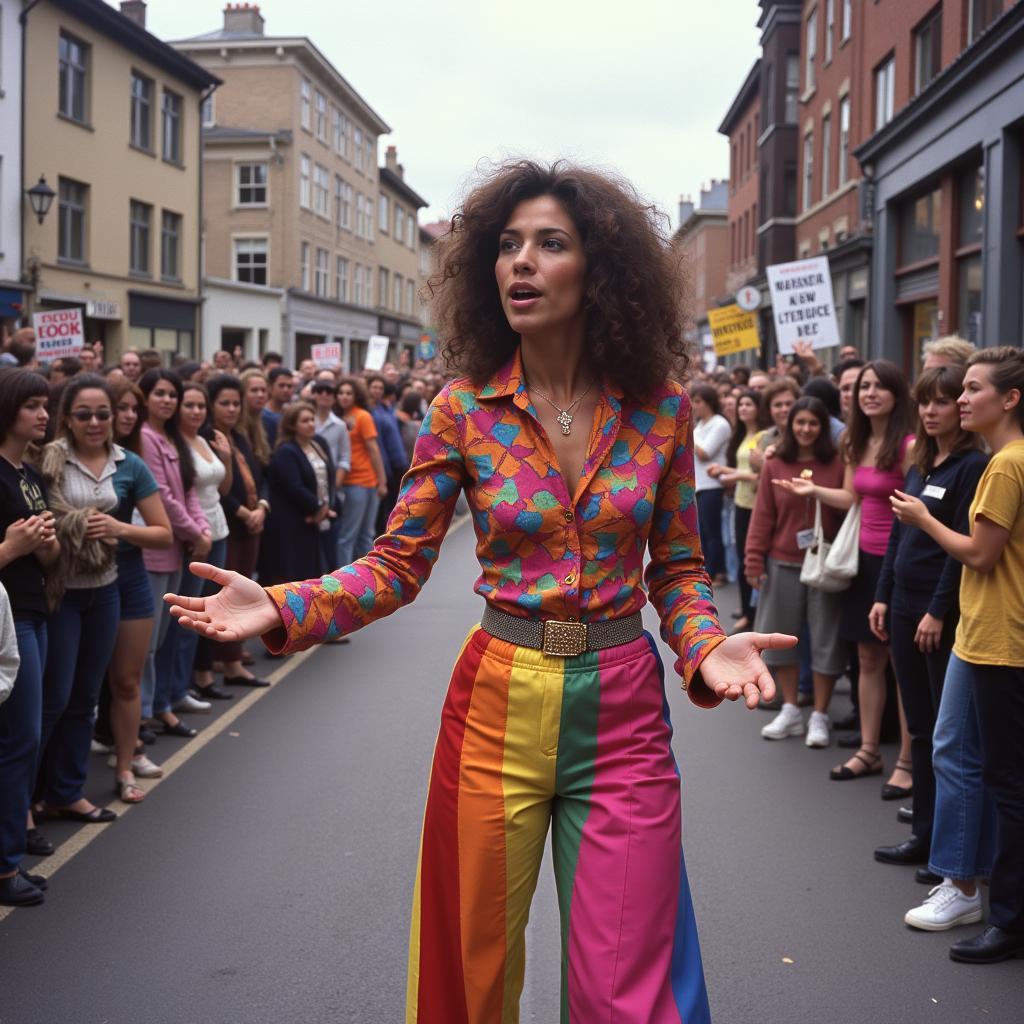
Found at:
(918, 589)
(29, 544)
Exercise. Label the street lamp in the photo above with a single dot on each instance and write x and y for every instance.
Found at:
(40, 195)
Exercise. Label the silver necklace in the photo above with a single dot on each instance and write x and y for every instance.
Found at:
(564, 415)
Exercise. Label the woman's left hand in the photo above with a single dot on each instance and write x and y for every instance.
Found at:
(734, 669)
(222, 446)
(929, 634)
(909, 511)
(100, 526)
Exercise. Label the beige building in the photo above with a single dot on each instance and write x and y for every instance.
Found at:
(112, 121)
(292, 184)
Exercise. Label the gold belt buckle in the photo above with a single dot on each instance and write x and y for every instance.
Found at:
(564, 639)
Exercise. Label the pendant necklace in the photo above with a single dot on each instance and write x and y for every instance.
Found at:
(564, 415)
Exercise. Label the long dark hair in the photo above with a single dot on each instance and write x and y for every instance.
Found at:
(214, 386)
(945, 382)
(17, 386)
(632, 296)
(117, 392)
(858, 429)
(824, 449)
(739, 430)
(148, 381)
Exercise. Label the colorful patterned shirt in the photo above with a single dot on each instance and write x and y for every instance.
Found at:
(543, 553)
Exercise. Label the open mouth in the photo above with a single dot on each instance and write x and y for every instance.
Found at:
(520, 294)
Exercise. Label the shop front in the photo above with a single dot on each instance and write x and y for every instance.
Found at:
(311, 321)
(167, 325)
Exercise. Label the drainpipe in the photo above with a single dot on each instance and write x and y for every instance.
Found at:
(23, 19)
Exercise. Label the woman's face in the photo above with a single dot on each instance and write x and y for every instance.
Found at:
(256, 394)
(982, 404)
(729, 408)
(699, 407)
(126, 415)
(346, 397)
(939, 415)
(779, 408)
(874, 397)
(305, 425)
(161, 402)
(806, 428)
(227, 409)
(30, 423)
(541, 268)
(193, 410)
(746, 410)
(89, 419)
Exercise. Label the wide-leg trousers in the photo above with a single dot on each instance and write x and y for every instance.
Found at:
(582, 744)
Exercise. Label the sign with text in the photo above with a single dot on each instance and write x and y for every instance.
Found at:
(802, 304)
(327, 355)
(733, 330)
(59, 333)
(376, 352)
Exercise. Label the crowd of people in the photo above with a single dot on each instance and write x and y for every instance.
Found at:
(112, 480)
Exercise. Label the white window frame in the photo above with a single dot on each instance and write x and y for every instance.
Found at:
(810, 49)
(322, 191)
(306, 102)
(792, 89)
(304, 266)
(169, 219)
(141, 139)
(140, 226)
(207, 114)
(410, 231)
(76, 78)
(382, 214)
(171, 126)
(807, 199)
(830, 26)
(341, 278)
(384, 287)
(345, 214)
(847, 22)
(239, 185)
(320, 115)
(305, 170)
(410, 297)
(255, 242)
(399, 222)
(322, 273)
(359, 215)
(398, 287)
(368, 285)
(357, 284)
(842, 174)
(885, 85)
(826, 156)
(357, 143)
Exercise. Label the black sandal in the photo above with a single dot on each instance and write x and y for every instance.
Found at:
(892, 792)
(180, 729)
(872, 766)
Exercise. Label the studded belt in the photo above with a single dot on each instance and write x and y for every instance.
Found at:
(564, 639)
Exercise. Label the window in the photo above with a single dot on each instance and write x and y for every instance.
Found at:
(971, 189)
(919, 228)
(74, 56)
(383, 287)
(322, 275)
(826, 156)
(322, 191)
(71, 220)
(844, 139)
(357, 284)
(304, 114)
(170, 245)
(140, 219)
(371, 156)
(830, 27)
(789, 190)
(206, 115)
(304, 194)
(172, 126)
(810, 50)
(340, 132)
(397, 301)
(410, 232)
(410, 297)
(252, 185)
(885, 80)
(304, 266)
(345, 204)
(368, 285)
(357, 142)
(142, 111)
(382, 218)
(969, 298)
(927, 50)
(341, 278)
(847, 20)
(982, 14)
(321, 116)
(792, 87)
(808, 197)
(251, 260)
(399, 222)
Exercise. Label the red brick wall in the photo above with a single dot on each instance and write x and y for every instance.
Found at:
(741, 239)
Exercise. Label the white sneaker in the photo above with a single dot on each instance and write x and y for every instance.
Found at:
(819, 730)
(788, 722)
(96, 747)
(944, 907)
(142, 767)
(190, 703)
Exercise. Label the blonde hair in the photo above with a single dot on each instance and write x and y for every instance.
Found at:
(952, 346)
(250, 425)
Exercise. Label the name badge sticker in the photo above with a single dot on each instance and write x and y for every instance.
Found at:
(804, 539)
(931, 491)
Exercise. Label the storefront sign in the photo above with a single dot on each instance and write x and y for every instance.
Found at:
(59, 333)
(733, 330)
(376, 352)
(749, 298)
(802, 303)
(103, 309)
(327, 355)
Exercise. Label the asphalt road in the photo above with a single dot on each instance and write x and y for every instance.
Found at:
(267, 880)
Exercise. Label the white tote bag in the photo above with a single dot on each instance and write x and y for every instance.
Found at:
(842, 559)
(815, 572)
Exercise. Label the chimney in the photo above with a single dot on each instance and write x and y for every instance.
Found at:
(391, 158)
(685, 209)
(243, 18)
(134, 10)
(715, 196)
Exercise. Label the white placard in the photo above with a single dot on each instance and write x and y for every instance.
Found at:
(802, 303)
(376, 352)
(59, 333)
(327, 355)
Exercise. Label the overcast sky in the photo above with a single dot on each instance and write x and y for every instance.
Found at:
(639, 86)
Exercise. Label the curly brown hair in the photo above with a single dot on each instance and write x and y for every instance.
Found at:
(633, 294)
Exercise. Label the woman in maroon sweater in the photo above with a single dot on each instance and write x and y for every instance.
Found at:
(781, 530)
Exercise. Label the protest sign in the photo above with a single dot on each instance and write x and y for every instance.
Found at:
(59, 333)
(802, 303)
(326, 355)
(733, 330)
(376, 352)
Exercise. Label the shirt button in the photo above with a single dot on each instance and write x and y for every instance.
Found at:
(568, 516)
(571, 578)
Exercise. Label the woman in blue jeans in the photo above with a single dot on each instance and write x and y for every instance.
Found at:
(988, 660)
(27, 546)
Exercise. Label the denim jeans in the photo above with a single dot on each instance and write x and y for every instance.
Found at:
(709, 525)
(161, 583)
(21, 719)
(83, 632)
(964, 830)
(732, 558)
(358, 519)
(177, 654)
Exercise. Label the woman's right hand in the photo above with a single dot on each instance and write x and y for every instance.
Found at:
(23, 536)
(241, 609)
(801, 488)
(876, 621)
(254, 522)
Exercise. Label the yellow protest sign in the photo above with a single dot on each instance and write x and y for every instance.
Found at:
(733, 330)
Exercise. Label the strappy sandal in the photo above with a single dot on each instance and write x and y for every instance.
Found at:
(892, 792)
(128, 790)
(872, 761)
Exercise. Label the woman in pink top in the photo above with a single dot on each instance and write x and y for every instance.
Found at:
(876, 448)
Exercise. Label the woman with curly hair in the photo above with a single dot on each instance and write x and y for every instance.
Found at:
(557, 299)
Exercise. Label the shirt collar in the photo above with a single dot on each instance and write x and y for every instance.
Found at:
(509, 380)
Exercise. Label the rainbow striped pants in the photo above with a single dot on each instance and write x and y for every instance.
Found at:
(583, 745)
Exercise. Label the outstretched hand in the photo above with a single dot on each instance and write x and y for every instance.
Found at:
(238, 611)
(734, 669)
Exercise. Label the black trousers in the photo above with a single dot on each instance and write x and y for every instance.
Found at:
(741, 526)
(919, 677)
(999, 698)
